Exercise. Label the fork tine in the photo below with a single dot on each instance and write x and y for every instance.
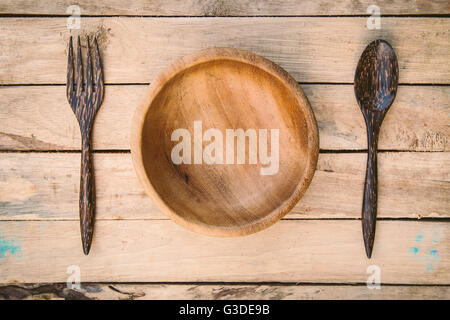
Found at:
(69, 84)
(79, 72)
(89, 85)
(98, 74)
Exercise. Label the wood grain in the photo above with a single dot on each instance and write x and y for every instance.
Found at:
(136, 49)
(35, 118)
(124, 291)
(224, 8)
(44, 186)
(290, 251)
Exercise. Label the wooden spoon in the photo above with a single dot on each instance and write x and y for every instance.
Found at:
(376, 81)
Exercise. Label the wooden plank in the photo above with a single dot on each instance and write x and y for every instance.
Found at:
(224, 8)
(134, 50)
(290, 251)
(39, 118)
(44, 186)
(124, 291)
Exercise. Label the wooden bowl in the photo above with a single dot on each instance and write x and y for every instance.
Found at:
(224, 88)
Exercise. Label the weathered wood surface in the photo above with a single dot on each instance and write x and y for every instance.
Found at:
(39, 118)
(139, 243)
(123, 291)
(44, 186)
(135, 49)
(311, 251)
(224, 8)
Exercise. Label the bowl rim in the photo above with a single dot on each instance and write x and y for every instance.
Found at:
(204, 56)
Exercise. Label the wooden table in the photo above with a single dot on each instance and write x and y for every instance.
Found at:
(317, 250)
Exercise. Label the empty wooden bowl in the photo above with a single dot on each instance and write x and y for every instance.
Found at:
(221, 189)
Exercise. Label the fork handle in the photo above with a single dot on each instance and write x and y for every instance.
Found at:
(87, 192)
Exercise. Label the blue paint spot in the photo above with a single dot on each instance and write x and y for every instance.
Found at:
(430, 259)
(436, 237)
(434, 254)
(9, 246)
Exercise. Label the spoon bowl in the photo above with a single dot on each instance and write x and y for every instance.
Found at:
(376, 77)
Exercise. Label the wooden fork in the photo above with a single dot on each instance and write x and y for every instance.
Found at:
(85, 101)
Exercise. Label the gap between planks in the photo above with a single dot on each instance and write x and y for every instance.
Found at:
(324, 151)
(227, 8)
(146, 84)
(430, 15)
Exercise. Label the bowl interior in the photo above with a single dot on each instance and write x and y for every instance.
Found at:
(225, 94)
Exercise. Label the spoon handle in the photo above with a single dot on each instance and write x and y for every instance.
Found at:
(369, 207)
(87, 192)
